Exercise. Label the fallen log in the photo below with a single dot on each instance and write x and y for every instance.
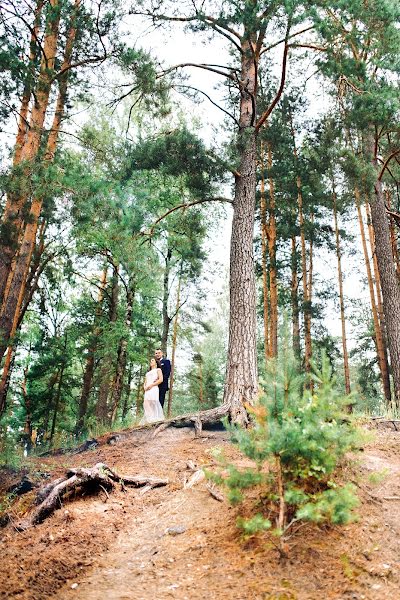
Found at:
(99, 476)
(196, 420)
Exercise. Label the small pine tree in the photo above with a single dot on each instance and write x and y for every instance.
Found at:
(296, 443)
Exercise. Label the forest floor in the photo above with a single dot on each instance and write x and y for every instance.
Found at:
(123, 547)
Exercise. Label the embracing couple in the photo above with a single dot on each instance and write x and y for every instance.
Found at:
(155, 387)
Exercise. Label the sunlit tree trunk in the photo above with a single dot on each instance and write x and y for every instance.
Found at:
(341, 295)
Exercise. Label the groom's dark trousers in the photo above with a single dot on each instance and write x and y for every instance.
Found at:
(166, 371)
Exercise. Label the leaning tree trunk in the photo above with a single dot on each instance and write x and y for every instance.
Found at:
(241, 375)
(387, 271)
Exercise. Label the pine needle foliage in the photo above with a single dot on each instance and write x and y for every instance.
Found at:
(297, 442)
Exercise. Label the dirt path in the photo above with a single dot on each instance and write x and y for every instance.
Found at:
(181, 543)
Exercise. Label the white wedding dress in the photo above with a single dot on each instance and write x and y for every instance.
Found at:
(152, 408)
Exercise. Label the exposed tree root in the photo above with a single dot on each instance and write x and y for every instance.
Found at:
(99, 476)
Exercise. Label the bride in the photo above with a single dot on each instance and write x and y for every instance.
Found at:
(152, 408)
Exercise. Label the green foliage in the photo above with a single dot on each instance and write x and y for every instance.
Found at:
(297, 441)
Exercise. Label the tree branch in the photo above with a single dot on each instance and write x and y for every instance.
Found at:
(275, 101)
(198, 66)
(268, 48)
(184, 206)
(190, 87)
(385, 164)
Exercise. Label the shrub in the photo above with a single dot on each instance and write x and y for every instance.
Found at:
(297, 441)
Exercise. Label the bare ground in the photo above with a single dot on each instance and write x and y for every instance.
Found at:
(181, 543)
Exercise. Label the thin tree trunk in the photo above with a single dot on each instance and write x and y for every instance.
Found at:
(108, 358)
(264, 242)
(295, 300)
(13, 215)
(122, 354)
(201, 383)
(341, 295)
(90, 358)
(241, 382)
(305, 281)
(383, 365)
(139, 392)
(127, 393)
(5, 378)
(273, 288)
(28, 412)
(166, 318)
(58, 394)
(174, 339)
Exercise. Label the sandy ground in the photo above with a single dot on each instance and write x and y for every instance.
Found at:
(181, 543)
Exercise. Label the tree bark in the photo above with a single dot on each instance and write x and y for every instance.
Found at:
(393, 236)
(58, 396)
(241, 384)
(13, 215)
(387, 272)
(12, 303)
(341, 296)
(380, 347)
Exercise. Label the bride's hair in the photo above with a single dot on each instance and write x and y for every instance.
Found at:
(157, 362)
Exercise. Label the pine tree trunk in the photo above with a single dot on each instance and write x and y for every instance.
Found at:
(304, 273)
(382, 360)
(13, 215)
(264, 242)
(241, 384)
(122, 354)
(139, 392)
(387, 272)
(12, 303)
(127, 393)
(5, 378)
(165, 316)
(90, 358)
(174, 339)
(273, 288)
(341, 296)
(295, 301)
(393, 236)
(108, 358)
(57, 403)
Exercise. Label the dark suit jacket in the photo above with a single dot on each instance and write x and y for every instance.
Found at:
(166, 371)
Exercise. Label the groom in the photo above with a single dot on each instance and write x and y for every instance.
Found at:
(165, 365)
